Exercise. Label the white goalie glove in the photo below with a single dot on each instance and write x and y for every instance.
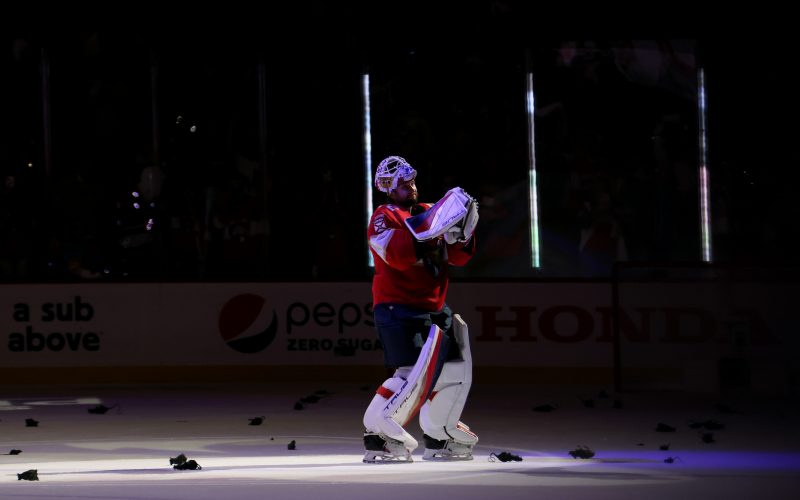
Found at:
(464, 230)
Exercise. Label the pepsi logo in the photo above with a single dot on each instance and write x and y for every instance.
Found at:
(246, 324)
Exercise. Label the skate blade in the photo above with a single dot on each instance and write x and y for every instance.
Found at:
(378, 458)
(437, 456)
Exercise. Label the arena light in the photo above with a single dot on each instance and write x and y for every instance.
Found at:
(705, 190)
(533, 195)
(367, 140)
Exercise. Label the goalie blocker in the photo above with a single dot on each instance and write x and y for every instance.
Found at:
(435, 389)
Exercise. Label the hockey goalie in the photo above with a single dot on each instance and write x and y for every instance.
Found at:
(426, 345)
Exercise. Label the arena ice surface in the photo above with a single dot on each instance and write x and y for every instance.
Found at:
(125, 452)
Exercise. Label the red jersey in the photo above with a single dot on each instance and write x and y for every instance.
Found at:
(400, 276)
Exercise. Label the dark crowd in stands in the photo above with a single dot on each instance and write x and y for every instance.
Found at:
(138, 157)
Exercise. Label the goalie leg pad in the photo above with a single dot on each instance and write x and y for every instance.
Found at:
(374, 420)
(406, 401)
(400, 398)
(440, 415)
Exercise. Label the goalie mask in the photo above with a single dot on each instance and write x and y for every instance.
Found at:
(391, 171)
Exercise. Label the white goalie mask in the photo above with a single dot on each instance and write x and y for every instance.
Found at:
(391, 171)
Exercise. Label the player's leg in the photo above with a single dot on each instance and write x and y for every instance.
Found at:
(384, 438)
(446, 437)
(400, 397)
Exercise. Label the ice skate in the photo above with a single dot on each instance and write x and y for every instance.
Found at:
(446, 450)
(383, 449)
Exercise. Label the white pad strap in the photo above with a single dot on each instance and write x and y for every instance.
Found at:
(439, 417)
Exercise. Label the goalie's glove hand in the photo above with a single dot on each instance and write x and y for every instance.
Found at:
(462, 232)
(470, 221)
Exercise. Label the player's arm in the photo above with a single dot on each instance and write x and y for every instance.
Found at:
(461, 237)
(459, 253)
(391, 240)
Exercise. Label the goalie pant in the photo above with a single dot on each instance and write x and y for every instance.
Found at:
(436, 390)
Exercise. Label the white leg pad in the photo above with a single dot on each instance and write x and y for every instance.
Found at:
(402, 396)
(407, 400)
(439, 416)
(374, 419)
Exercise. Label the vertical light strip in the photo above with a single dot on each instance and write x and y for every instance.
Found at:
(533, 195)
(705, 210)
(367, 132)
